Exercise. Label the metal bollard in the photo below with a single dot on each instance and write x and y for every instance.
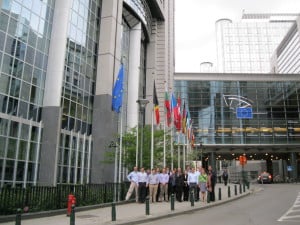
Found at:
(72, 216)
(192, 199)
(18, 217)
(113, 211)
(208, 197)
(147, 206)
(244, 187)
(235, 190)
(220, 194)
(229, 192)
(172, 202)
(240, 189)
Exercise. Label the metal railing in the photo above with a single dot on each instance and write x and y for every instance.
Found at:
(37, 199)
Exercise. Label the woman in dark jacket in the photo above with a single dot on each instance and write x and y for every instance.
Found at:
(179, 181)
(185, 186)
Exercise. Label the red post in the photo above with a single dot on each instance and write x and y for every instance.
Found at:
(71, 201)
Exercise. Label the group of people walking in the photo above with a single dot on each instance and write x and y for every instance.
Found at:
(159, 184)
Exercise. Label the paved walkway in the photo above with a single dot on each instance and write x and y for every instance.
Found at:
(135, 213)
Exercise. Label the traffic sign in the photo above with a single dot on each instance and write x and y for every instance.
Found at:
(244, 113)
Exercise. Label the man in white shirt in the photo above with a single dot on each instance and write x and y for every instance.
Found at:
(193, 181)
(164, 182)
(133, 178)
(153, 180)
(143, 182)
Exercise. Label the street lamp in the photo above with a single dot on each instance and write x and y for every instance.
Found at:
(142, 105)
(113, 144)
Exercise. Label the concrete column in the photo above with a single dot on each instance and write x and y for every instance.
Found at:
(150, 71)
(51, 115)
(294, 165)
(134, 76)
(57, 51)
(105, 121)
(213, 160)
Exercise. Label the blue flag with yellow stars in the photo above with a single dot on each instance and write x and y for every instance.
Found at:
(117, 94)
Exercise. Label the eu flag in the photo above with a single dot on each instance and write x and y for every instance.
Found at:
(117, 94)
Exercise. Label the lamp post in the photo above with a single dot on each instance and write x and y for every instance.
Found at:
(142, 105)
(114, 145)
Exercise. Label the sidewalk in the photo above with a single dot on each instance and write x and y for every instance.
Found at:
(135, 213)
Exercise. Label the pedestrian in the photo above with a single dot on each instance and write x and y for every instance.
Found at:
(198, 172)
(225, 177)
(172, 185)
(143, 183)
(212, 178)
(179, 182)
(193, 182)
(158, 188)
(185, 186)
(203, 184)
(163, 183)
(153, 181)
(133, 179)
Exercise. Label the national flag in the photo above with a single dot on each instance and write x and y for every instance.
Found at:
(183, 125)
(178, 115)
(173, 103)
(117, 94)
(168, 108)
(156, 104)
(175, 106)
(188, 123)
(193, 139)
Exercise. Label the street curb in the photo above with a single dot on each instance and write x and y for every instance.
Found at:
(176, 213)
(57, 212)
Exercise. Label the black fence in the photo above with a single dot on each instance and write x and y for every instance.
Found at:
(36, 199)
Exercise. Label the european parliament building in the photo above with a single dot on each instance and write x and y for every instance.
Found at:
(59, 60)
(251, 106)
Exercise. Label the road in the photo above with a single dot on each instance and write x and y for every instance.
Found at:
(276, 204)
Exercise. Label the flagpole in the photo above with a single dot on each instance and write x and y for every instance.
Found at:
(121, 150)
(183, 153)
(178, 149)
(165, 142)
(152, 138)
(115, 172)
(172, 133)
(137, 140)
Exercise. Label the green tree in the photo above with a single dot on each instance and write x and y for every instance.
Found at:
(129, 148)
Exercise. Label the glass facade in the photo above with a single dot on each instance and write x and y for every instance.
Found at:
(213, 107)
(25, 30)
(78, 91)
(247, 46)
(53, 138)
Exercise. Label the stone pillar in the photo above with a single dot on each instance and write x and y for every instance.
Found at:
(134, 76)
(105, 121)
(213, 160)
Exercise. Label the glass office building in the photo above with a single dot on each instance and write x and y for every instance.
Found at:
(58, 64)
(246, 46)
(270, 131)
(286, 58)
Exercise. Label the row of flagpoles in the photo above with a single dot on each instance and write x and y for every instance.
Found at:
(175, 118)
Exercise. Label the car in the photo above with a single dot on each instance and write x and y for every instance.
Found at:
(264, 178)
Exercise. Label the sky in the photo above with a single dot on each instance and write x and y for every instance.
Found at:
(195, 26)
